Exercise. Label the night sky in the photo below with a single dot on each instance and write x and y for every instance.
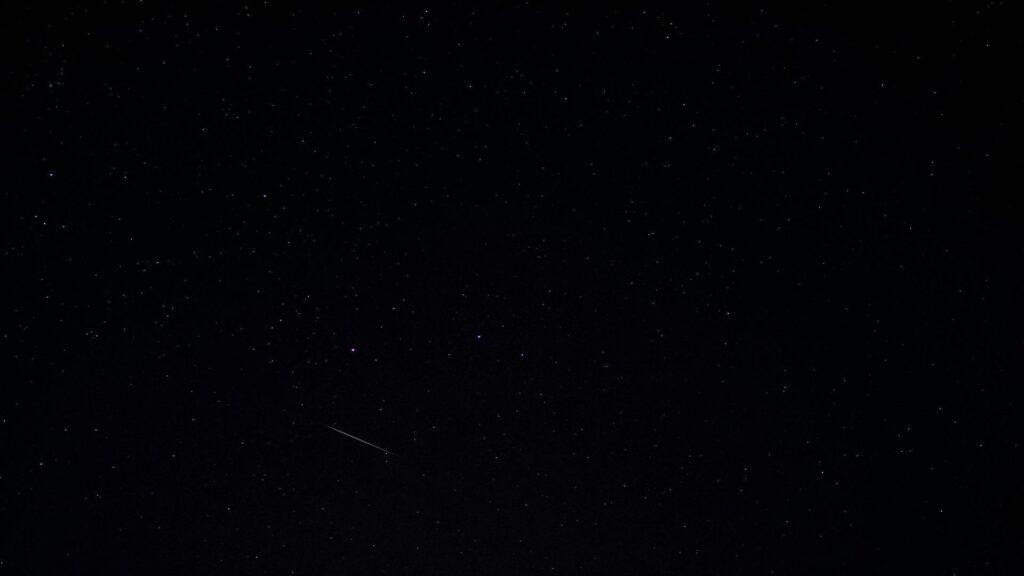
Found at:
(619, 291)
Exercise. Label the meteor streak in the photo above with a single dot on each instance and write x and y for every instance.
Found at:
(359, 439)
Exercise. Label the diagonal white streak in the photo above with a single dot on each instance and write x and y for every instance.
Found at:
(359, 439)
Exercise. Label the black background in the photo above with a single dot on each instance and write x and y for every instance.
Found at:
(625, 291)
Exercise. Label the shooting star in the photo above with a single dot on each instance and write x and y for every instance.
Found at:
(359, 439)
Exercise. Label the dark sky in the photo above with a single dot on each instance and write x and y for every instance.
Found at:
(625, 291)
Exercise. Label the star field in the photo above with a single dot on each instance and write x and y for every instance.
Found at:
(618, 291)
